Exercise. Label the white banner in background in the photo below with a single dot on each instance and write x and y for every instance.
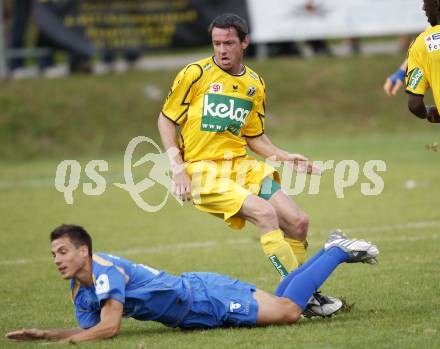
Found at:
(287, 20)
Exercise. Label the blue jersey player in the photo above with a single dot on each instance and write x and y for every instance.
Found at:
(106, 288)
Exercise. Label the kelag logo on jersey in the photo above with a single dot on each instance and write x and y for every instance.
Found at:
(221, 113)
(433, 42)
(414, 78)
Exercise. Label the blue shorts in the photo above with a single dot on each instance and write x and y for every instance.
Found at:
(219, 301)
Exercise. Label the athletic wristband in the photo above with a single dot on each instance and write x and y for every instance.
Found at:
(398, 75)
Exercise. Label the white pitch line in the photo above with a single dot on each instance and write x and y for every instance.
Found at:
(17, 262)
(413, 225)
(44, 182)
(26, 183)
(165, 248)
(213, 243)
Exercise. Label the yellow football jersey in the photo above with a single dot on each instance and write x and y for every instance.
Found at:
(215, 110)
(424, 64)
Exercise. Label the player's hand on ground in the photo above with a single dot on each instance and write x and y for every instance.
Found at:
(394, 82)
(181, 184)
(26, 334)
(303, 165)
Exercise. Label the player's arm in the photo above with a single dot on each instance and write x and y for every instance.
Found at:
(36, 334)
(417, 106)
(108, 326)
(174, 112)
(264, 147)
(181, 181)
(395, 81)
(417, 84)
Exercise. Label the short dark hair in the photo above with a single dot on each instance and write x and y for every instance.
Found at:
(228, 20)
(77, 234)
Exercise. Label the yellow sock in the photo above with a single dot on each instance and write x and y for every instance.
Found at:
(299, 248)
(279, 252)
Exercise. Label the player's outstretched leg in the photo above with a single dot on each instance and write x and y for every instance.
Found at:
(300, 285)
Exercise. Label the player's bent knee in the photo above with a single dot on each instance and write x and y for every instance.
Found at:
(291, 312)
(294, 314)
(304, 225)
(299, 226)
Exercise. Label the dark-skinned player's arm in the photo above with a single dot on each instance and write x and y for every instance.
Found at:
(417, 106)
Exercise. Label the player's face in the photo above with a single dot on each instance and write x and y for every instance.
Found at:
(228, 49)
(67, 257)
(431, 8)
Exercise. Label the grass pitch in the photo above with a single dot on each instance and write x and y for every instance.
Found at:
(394, 304)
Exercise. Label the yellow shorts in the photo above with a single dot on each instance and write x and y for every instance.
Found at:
(220, 187)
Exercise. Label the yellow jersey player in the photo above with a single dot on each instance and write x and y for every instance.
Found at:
(424, 66)
(219, 103)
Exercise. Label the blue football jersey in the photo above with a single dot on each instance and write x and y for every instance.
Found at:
(146, 293)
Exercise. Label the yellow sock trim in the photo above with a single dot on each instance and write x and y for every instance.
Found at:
(299, 248)
(279, 252)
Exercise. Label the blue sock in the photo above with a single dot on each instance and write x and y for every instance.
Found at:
(286, 281)
(304, 284)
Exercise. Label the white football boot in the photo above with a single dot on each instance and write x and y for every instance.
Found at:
(359, 251)
(322, 306)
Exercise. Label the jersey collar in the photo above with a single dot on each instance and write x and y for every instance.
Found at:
(239, 74)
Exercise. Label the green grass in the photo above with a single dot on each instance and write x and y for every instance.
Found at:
(326, 109)
(99, 115)
(396, 302)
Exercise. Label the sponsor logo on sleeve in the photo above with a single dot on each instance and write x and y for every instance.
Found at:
(221, 113)
(414, 79)
(432, 42)
(102, 284)
(216, 87)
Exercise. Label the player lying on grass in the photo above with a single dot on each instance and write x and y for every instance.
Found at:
(106, 288)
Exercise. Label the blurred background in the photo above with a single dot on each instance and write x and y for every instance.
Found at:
(57, 37)
(80, 79)
(114, 61)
